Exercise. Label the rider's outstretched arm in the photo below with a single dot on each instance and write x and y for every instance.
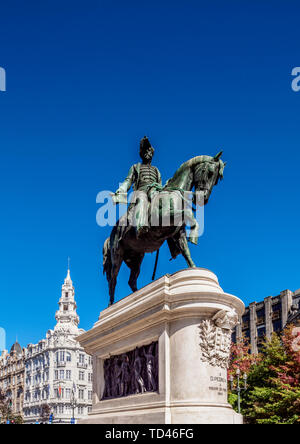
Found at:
(121, 193)
(159, 178)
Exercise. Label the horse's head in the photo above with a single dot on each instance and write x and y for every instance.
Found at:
(207, 173)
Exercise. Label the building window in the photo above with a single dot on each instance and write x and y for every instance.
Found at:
(81, 394)
(81, 375)
(261, 332)
(62, 374)
(276, 315)
(277, 326)
(68, 374)
(59, 392)
(60, 356)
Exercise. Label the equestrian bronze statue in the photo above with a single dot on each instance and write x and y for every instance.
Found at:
(158, 213)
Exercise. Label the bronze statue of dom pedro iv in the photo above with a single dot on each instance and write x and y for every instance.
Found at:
(157, 213)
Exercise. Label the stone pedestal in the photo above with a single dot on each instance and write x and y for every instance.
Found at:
(191, 318)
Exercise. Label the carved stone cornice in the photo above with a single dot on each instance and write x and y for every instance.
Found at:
(187, 293)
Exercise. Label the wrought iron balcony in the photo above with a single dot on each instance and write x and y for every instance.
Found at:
(60, 364)
(82, 365)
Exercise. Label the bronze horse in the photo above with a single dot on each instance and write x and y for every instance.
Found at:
(200, 173)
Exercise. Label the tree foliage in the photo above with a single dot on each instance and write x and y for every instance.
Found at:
(45, 412)
(6, 413)
(273, 393)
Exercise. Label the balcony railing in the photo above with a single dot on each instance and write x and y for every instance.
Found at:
(81, 365)
(60, 364)
(260, 320)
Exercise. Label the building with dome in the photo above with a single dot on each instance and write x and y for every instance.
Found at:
(12, 377)
(58, 373)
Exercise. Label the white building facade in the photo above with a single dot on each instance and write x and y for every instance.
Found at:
(58, 373)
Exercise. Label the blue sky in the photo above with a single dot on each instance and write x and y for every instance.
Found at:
(85, 81)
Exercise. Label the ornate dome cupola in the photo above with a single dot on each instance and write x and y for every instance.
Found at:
(16, 348)
(67, 317)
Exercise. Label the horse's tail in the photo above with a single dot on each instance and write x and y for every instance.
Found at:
(107, 265)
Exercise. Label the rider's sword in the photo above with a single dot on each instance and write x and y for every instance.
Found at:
(155, 266)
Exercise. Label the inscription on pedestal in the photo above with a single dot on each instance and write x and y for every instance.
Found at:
(218, 384)
(131, 373)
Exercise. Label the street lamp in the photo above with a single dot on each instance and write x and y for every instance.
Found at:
(238, 387)
(73, 405)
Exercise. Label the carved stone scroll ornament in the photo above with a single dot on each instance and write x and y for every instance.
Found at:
(226, 319)
(215, 338)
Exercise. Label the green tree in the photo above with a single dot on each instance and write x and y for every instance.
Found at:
(273, 394)
(242, 359)
(6, 411)
(4, 407)
(45, 413)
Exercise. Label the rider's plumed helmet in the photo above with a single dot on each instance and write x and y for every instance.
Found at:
(144, 145)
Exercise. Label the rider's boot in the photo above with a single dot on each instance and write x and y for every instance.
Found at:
(193, 239)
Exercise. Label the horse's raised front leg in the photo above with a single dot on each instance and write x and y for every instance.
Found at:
(194, 233)
(187, 217)
(185, 251)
